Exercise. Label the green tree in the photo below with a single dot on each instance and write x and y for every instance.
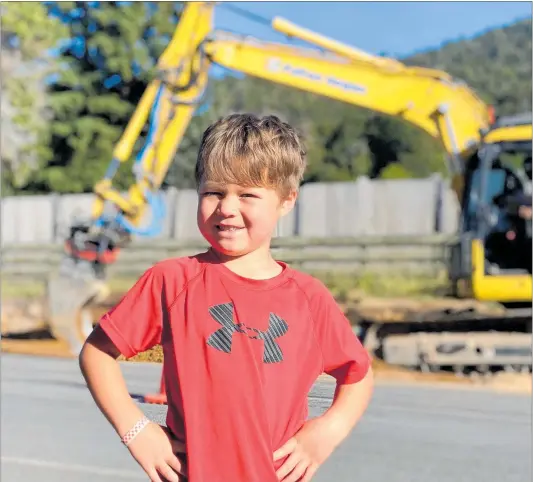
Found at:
(107, 64)
(28, 35)
(395, 171)
(392, 140)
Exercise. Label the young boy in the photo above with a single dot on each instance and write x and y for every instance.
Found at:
(244, 336)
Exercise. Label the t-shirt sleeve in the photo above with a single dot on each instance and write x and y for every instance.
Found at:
(345, 358)
(134, 324)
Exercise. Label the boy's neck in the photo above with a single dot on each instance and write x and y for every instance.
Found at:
(256, 265)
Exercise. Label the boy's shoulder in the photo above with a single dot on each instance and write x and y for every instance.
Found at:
(310, 285)
(183, 268)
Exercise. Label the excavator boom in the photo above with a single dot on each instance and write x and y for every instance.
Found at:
(444, 108)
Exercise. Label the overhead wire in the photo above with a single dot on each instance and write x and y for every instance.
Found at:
(254, 17)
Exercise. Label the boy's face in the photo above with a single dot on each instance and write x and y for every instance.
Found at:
(238, 220)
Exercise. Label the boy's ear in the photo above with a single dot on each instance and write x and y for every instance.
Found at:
(288, 203)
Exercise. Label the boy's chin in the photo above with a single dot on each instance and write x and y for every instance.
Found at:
(232, 249)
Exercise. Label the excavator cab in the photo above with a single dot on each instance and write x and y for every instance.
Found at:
(491, 260)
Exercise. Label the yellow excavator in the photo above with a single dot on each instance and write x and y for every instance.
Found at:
(488, 262)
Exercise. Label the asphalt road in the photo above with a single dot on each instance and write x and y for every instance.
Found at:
(51, 430)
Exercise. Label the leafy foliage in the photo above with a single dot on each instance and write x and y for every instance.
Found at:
(28, 34)
(107, 65)
(109, 59)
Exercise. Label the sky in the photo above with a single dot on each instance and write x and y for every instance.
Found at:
(397, 28)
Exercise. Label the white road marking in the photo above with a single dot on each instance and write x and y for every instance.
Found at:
(73, 467)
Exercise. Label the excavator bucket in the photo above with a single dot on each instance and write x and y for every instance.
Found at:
(69, 301)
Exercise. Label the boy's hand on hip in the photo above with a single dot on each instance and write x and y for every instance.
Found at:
(306, 451)
(155, 451)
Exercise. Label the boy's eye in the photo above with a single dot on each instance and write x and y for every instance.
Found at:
(219, 194)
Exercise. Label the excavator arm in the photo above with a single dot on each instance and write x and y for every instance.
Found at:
(430, 99)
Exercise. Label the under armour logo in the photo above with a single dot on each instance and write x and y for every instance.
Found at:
(222, 338)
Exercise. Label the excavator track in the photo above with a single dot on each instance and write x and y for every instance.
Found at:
(465, 342)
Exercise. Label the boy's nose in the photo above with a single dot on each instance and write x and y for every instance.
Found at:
(228, 206)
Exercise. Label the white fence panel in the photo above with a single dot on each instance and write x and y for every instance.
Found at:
(336, 209)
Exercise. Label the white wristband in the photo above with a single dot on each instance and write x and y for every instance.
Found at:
(131, 434)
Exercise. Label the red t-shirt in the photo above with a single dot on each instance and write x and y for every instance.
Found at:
(240, 357)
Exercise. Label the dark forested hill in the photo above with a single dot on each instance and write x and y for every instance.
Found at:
(496, 64)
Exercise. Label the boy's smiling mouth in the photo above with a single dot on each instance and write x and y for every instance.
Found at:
(227, 228)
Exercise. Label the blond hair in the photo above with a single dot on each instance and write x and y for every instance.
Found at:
(247, 150)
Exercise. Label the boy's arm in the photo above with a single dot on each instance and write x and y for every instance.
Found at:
(349, 404)
(99, 366)
(133, 325)
(152, 447)
(319, 437)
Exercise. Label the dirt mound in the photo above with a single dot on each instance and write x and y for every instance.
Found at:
(49, 347)
(22, 316)
(55, 348)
